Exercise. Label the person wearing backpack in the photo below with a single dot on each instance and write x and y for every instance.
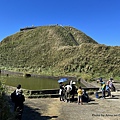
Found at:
(103, 89)
(18, 108)
(18, 99)
(14, 93)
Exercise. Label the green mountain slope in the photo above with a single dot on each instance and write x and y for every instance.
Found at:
(57, 50)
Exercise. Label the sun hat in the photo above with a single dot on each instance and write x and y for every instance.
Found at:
(73, 83)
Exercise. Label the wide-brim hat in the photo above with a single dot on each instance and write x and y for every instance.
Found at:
(73, 83)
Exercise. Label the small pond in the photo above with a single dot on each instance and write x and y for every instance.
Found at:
(31, 83)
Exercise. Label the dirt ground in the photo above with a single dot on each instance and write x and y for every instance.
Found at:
(53, 109)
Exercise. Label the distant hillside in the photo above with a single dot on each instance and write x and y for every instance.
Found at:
(57, 50)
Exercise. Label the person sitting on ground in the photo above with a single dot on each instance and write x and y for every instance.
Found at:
(85, 96)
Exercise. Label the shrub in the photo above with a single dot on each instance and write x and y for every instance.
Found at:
(5, 113)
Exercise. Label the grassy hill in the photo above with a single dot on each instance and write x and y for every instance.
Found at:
(57, 50)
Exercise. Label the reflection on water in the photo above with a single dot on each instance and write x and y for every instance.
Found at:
(32, 83)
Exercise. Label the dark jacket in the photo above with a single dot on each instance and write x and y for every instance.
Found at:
(19, 102)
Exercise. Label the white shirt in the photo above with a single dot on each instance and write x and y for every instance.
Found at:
(68, 88)
(18, 91)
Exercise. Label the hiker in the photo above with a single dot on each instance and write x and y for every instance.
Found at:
(18, 99)
(99, 80)
(108, 88)
(73, 91)
(111, 85)
(68, 88)
(103, 89)
(80, 93)
(85, 96)
(19, 104)
(61, 92)
(15, 93)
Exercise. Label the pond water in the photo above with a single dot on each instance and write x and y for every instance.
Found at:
(31, 83)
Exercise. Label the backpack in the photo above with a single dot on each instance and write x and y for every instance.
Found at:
(13, 96)
(103, 87)
(20, 99)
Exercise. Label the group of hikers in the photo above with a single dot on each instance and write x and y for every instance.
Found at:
(67, 93)
(107, 86)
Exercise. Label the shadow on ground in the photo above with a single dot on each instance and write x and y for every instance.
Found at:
(30, 113)
(33, 114)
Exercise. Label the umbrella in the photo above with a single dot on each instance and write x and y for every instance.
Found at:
(62, 80)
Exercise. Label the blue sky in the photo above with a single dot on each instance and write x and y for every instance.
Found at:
(99, 19)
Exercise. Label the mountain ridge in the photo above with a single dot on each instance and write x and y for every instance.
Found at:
(58, 50)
